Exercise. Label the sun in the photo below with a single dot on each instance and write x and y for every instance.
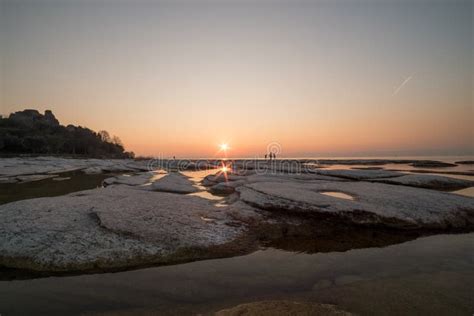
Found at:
(224, 147)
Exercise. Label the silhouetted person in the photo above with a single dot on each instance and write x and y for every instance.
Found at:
(266, 156)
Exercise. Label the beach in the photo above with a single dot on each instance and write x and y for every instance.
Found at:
(311, 228)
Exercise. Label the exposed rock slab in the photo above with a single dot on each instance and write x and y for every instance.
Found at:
(452, 172)
(429, 182)
(45, 165)
(92, 170)
(182, 221)
(35, 177)
(371, 162)
(226, 188)
(360, 174)
(269, 177)
(374, 203)
(219, 177)
(224, 183)
(431, 164)
(26, 178)
(113, 227)
(174, 182)
(136, 179)
(465, 162)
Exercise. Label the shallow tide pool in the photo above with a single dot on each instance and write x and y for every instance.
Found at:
(69, 182)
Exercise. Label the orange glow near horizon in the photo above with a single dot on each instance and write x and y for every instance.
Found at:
(215, 80)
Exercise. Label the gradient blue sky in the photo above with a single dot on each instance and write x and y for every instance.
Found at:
(179, 77)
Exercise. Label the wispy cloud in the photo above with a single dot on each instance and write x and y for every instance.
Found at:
(402, 84)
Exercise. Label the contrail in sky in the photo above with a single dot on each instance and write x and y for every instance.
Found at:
(402, 84)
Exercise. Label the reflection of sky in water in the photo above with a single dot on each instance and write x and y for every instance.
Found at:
(158, 175)
(197, 177)
(466, 192)
(77, 181)
(339, 195)
(208, 195)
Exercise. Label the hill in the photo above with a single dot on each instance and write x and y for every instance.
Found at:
(30, 132)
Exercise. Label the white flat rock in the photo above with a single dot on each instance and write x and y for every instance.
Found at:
(35, 177)
(138, 179)
(113, 227)
(235, 180)
(174, 182)
(429, 181)
(26, 178)
(277, 177)
(43, 165)
(219, 177)
(374, 203)
(225, 188)
(360, 174)
(92, 170)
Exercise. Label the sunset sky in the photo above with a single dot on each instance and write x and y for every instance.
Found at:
(341, 77)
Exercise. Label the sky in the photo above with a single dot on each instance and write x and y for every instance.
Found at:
(311, 78)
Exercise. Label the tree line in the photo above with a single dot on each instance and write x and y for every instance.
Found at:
(30, 132)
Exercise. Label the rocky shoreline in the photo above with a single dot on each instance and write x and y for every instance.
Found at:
(156, 216)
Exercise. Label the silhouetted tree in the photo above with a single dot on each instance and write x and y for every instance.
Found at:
(116, 140)
(29, 131)
(104, 136)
